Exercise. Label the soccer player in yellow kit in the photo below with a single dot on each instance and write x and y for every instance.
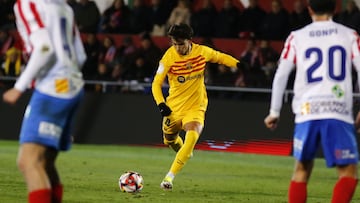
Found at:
(184, 108)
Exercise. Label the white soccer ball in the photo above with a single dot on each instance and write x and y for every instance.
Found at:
(131, 182)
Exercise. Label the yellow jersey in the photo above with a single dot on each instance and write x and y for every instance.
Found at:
(185, 76)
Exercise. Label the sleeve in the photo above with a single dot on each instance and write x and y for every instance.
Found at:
(42, 55)
(288, 52)
(156, 86)
(220, 58)
(279, 85)
(79, 48)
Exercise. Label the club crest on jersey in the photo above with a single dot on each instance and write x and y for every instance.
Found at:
(188, 66)
(181, 79)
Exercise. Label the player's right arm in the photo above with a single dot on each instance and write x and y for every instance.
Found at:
(43, 51)
(281, 77)
(156, 89)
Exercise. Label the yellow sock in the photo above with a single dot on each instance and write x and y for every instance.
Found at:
(174, 144)
(185, 151)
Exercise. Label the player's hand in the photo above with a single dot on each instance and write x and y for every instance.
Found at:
(164, 109)
(357, 122)
(11, 96)
(271, 122)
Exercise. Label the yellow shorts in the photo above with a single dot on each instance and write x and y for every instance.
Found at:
(175, 122)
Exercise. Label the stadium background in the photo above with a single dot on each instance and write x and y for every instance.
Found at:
(231, 125)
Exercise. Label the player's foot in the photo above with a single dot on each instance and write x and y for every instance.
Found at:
(166, 184)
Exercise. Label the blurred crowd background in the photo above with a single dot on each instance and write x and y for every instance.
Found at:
(119, 39)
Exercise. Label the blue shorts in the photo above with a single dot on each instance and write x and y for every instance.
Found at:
(337, 139)
(48, 120)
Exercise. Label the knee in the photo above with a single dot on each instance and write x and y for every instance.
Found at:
(22, 163)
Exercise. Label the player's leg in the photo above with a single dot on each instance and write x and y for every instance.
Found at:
(340, 150)
(193, 126)
(171, 129)
(31, 162)
(345, 187)
(193, 130)
(298, 184)
(56, 186)
(306, 141)
(66, 121)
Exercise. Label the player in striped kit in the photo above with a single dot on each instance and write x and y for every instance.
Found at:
(49, 33)
(184, 109)
(323, 53)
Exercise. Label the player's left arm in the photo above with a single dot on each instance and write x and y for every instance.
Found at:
(222, 58)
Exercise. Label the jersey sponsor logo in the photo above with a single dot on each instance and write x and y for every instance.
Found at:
(298, 144)
(338, 92)
(181, 79)
(320, 107)
(49, 130)
(320, 33)
(344, 154)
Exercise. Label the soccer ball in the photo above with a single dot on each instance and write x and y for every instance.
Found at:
(131, 182)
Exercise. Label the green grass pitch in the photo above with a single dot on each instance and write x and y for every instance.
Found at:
(90, 174)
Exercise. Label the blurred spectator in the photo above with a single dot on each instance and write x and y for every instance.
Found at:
(350, 16)
(300, 15)
(140, 20)
(73, 4)
(159, 16)
(13, 64)
(250, 57)
(202, 20)
(103, 74)
(268, 60)
(210, 68)
(151, 55)
(7, 17)
(116, 18)
(107, 52)
(180, 14)
(126, 52)
(227, 21)
(87, 16)
(6, 42)
(251, 18)
(92, 49)
(275, 25)
(224, 77)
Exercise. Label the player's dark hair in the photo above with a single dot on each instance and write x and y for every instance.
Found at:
(180, 31)
(321, 7)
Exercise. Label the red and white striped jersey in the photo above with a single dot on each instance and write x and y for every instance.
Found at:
(323, 53)
(49, 33)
